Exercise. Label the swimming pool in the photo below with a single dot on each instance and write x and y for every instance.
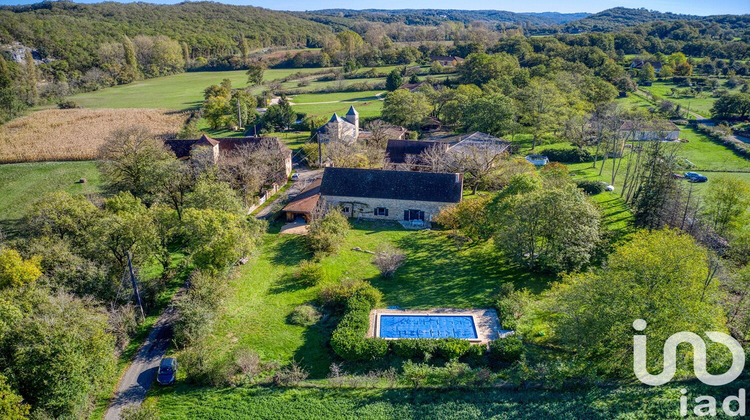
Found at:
(427, 326)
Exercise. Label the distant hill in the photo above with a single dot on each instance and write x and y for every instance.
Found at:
(619, 17)
(74, 31)
(438, 16)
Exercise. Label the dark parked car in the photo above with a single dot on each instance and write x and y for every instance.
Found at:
(695, 177)
(167, 371)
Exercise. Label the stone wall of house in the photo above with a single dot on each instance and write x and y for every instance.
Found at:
(359, 207)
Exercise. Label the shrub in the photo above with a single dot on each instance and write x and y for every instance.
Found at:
(309, 273)
(388, 259)
(336, 296)
(590, 187)
(508, 349)
(573, 155)
(476, 352)
(326, 234)
(452, 348)
(415, 348)
(304, 315)
(67, 105)
(290, 375)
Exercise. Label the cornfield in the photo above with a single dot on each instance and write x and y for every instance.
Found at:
(76, 134)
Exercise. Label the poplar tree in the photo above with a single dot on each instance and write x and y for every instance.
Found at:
(130, 59)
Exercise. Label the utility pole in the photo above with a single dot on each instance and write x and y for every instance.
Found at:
(135, 285)
(239, 113)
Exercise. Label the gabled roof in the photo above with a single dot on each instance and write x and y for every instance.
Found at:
(182, 148)
(306, 200)
(398, 150)
(654, 125)
(394, 185)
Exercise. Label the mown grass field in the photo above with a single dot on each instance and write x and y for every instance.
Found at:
(182, 91)
(436, 274)
(700, 104)
(21, 184)
(366, 103)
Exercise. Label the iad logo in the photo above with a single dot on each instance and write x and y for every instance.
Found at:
(707, 404)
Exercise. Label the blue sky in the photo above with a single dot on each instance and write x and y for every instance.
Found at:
(676, 6)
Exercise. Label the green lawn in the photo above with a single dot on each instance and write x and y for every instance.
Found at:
(23, 183)
(436, 274)
(180, 91)
(700, 104)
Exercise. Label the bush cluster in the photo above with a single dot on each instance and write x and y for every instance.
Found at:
(573, 155)
(304, 315)
(508, 349)
(349, 340)
(309, 273)
(590, 187)
(420, 348)
(337, 296)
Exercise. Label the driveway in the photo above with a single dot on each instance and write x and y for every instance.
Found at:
(306, 175)
(140, 375)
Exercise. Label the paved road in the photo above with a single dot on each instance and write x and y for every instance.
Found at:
(142, 370)
(306, 175)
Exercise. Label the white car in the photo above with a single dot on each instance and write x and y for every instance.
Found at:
(295, 177)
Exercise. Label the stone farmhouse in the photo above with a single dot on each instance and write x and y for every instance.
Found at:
(409, 153)
(656, 130)
(379, 194)
(446, 61)
(215, 147)
(638, 64)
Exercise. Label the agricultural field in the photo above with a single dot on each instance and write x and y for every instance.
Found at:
(76, 134)
(368, 103)
(182, 91)
(624, 402)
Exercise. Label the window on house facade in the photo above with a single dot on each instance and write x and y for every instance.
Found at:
(345, 209)
(381, 211)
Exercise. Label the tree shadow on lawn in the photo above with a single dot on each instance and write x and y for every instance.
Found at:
(287, 250)
(316, 355)
(436, 274)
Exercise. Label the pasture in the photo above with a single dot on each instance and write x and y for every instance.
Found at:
(700, 103)
(76, 134)
(21, 184)
(182, 91)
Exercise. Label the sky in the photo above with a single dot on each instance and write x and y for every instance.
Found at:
(692, 7)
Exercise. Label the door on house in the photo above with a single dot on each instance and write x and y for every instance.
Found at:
(413, 215)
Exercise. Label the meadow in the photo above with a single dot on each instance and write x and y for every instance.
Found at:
(76, 134)
(182, 91)
(21, 184)
(700, 104)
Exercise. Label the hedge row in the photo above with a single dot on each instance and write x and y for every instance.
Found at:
(349, 339)
(573, 155)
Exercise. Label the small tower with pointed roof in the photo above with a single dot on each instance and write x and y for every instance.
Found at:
(352, 116)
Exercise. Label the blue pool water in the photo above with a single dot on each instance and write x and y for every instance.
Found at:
(427, 326)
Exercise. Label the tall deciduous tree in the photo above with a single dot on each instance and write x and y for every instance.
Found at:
(133, 160)
(540, 105)
(547, 228)
(726, 201)
(255, 74)
(405, 108)
(129, 49)
(659, 276)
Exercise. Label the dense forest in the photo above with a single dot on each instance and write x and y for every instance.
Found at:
(82, 47)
